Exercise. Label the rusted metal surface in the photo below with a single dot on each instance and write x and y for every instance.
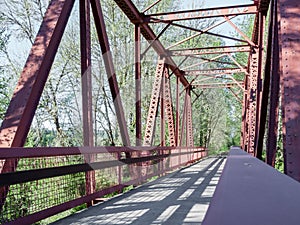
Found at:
(177, 111)
(151, 119)
(259, 82)
(138, 94)
(245, 122)
(217, 85)
(242, 187)
(213, 71)
(86, 78)
(169, 108)
(109, 66)
(252, 101)
(202, 13)
(210, 50)
(189, 121)
(273, 120)
(289, 37)
(270, 89)
(86, 82)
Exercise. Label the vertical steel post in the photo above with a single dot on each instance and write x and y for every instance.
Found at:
(183, 124)
(177, 111)
(289, 39)
(110, 70)
(189, 120)
(138, 96)
(86, 80)
(253, 100)
(169, 107)
(271, 144)
(244, 128)
(162, 110)
(156, 91)
(259, 131)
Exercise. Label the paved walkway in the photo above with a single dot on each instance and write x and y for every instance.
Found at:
(179, 198)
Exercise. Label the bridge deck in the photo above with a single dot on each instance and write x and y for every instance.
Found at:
(178, 198)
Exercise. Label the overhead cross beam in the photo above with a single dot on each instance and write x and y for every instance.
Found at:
(213, 71)
(210, 50)
(202, 13)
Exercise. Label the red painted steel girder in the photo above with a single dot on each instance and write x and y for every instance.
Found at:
(38, 152)
(209, 50)
(86, 77)
(202, 13)
(153, 107)
(217, 85)
(214, 71)
(289, 48)
(138, 18)
(271, 144)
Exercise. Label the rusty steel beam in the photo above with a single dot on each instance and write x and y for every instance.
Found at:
(289, 49)
(216, 85)
(40, 152)
(209, 50)
(189, 121)
(201, 13)
(271, 144)
(177, 111)
(213, 71)
(169, 107)
(244, 126)
(22, 107)
(252, 102)
(162, 111)
(135, 16)
(86, 81)
(183, 119)
(156, 90)
(259, 82)
(138, 89)
(110, 70)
